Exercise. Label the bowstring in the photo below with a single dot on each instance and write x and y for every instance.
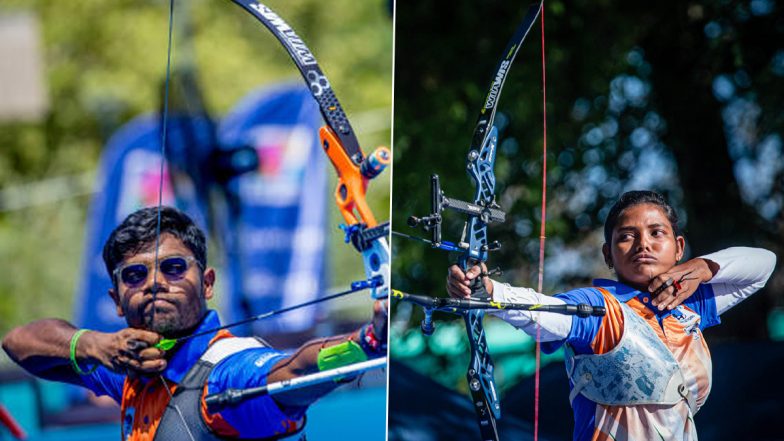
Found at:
(165, 121)
(176, 408)
(541, 228)
(163, 158)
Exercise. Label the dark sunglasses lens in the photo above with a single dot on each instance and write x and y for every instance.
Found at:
(134, 274)
(174, 266)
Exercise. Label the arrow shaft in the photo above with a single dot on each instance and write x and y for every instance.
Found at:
(216, 402)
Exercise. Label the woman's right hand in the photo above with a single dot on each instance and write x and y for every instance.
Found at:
(458, 283)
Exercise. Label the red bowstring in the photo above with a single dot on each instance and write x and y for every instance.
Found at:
(541, 229)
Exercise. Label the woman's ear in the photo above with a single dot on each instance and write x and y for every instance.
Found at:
(607, 256)
(680, 247)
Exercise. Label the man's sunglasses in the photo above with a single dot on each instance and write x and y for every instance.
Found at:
(173, 268)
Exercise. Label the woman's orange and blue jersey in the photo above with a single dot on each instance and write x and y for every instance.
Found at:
(680, 330)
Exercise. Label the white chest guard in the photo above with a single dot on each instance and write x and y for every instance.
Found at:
(639, 370)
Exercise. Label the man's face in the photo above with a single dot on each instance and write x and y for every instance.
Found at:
(182, 294)
(644, 245)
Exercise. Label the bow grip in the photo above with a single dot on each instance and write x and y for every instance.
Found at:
(352, 185)
(478, 290)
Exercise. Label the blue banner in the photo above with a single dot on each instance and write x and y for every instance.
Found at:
(269, 223)
(274, 233)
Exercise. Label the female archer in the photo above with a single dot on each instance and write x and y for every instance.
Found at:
(643, 370)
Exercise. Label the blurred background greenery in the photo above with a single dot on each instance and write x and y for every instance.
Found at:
(104, 63)
(680, 97)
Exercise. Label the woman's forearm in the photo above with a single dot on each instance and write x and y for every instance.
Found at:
(742, 272)
(553, 327)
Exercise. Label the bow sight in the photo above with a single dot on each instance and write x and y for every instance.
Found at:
(483, 212)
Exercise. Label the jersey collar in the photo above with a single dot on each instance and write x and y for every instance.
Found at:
(624, 293)
(192, 349)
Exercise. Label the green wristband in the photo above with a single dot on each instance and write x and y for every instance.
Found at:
(74, 363)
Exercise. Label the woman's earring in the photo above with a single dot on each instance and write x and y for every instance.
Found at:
(609, 265)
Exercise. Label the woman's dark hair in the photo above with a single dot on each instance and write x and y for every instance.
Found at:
(632, 198)
(138, 231)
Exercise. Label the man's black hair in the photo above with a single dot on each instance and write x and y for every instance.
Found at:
(632, 198)
(138, 231)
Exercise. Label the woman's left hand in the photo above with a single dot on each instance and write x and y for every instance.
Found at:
(671, 288)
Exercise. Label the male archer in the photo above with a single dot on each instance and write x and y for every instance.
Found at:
(163, 293)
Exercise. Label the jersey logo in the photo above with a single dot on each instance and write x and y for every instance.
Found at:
(690, 321)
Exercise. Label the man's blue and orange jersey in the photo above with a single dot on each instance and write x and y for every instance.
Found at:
(144, 399)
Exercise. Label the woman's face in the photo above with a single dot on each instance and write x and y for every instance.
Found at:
(643, 245)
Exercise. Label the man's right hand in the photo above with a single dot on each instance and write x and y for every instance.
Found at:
(128, 351)
(458, 283)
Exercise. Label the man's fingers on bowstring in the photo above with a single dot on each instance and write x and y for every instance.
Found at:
(151, 353)
(127, 357)
(151, 366)
(146, 366)
(126, 363)
(121, 363)
(142, 337)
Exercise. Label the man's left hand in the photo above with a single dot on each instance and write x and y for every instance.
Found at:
(380, 319)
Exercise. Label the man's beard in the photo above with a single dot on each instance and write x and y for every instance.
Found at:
(169, 325)
(163, 324)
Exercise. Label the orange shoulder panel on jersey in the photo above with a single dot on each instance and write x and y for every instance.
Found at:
(611, 329)
(214, 420)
